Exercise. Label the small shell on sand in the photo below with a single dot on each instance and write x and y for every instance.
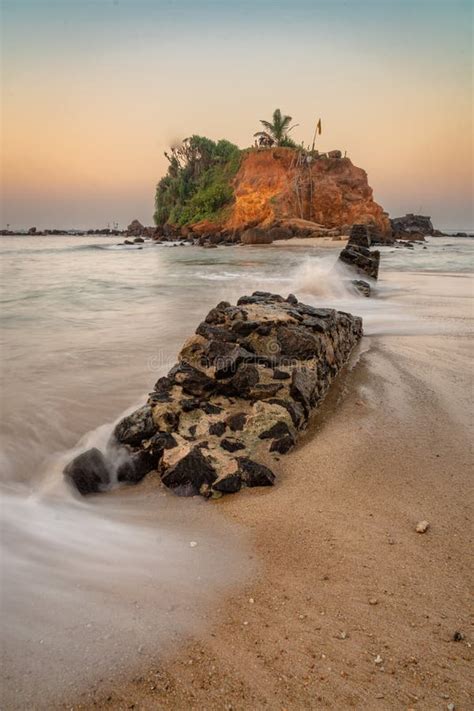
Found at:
(422, 527)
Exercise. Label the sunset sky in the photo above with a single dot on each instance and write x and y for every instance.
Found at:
(95, 90)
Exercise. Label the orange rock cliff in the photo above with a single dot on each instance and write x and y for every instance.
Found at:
(272, 185)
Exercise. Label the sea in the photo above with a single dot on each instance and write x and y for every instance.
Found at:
(88, 326)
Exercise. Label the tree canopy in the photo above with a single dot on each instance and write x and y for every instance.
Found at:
(197, 185)
(278, 129)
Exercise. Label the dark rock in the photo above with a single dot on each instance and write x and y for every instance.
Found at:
(88, 472)
(192, 471)
(362, 286)
(214, 333)
(217, 428)
(303, 384)
(245, 379)
(280, 374)
(291, 298)
(209, 408)
(420, 224)
(226, 357)
(244, 328)
(283, 444)
(259, 297)
(279, 429)
(189, 404)
(255, 474)
(231, 445)
(361, 259)
(136, 427)
(194, 381)
(137, 466)
(138, 239)
(315, 312)
(228, 485)
(135, 228)
(161, 441)
(237, 422)
(162, 389)
(360, 236)
(215, 316)
(296, 341)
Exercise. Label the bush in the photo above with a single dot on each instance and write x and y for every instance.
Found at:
(198, 184)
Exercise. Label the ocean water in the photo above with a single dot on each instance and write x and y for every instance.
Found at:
(87, 328)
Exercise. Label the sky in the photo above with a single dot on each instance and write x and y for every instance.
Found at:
(94, 91)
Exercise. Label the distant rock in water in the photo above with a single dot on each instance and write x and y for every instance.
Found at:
(412, 227)
(244, 386)
(135, 229)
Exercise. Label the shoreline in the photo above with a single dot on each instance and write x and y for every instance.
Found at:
(345, 578)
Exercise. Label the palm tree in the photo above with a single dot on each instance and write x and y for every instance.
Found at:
(277, 130)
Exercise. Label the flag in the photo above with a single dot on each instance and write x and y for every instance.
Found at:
(318, 127)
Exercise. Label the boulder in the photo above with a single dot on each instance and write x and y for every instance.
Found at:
(359, 236)
(255, 235)
(137, 465)
(190, 473)
(418, 224)
(135, 228)
(361, 260)
(89, 472)
(135, 428)
(255, 474)
(362, 287)
(244, 385)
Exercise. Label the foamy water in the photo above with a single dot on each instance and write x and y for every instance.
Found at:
(89, 586)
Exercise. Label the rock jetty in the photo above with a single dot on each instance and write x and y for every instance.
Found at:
(244, 386)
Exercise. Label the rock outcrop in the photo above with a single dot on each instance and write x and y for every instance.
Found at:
(273, 184)
(135, 229)
(357, 255)
(244, 386)
(412, 227)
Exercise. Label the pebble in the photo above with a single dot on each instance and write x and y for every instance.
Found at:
(378, 659)
(193, 544)
(451, 707)
(373, 601)
(251, 600)
(422, 526)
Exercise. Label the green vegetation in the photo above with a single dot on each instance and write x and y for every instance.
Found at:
(198, 184)
(277, 130)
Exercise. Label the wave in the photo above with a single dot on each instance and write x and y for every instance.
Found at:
(90, 586)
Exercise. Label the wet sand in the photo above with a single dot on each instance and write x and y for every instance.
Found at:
(352, 608)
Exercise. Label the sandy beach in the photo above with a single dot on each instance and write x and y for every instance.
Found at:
(351, 607)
